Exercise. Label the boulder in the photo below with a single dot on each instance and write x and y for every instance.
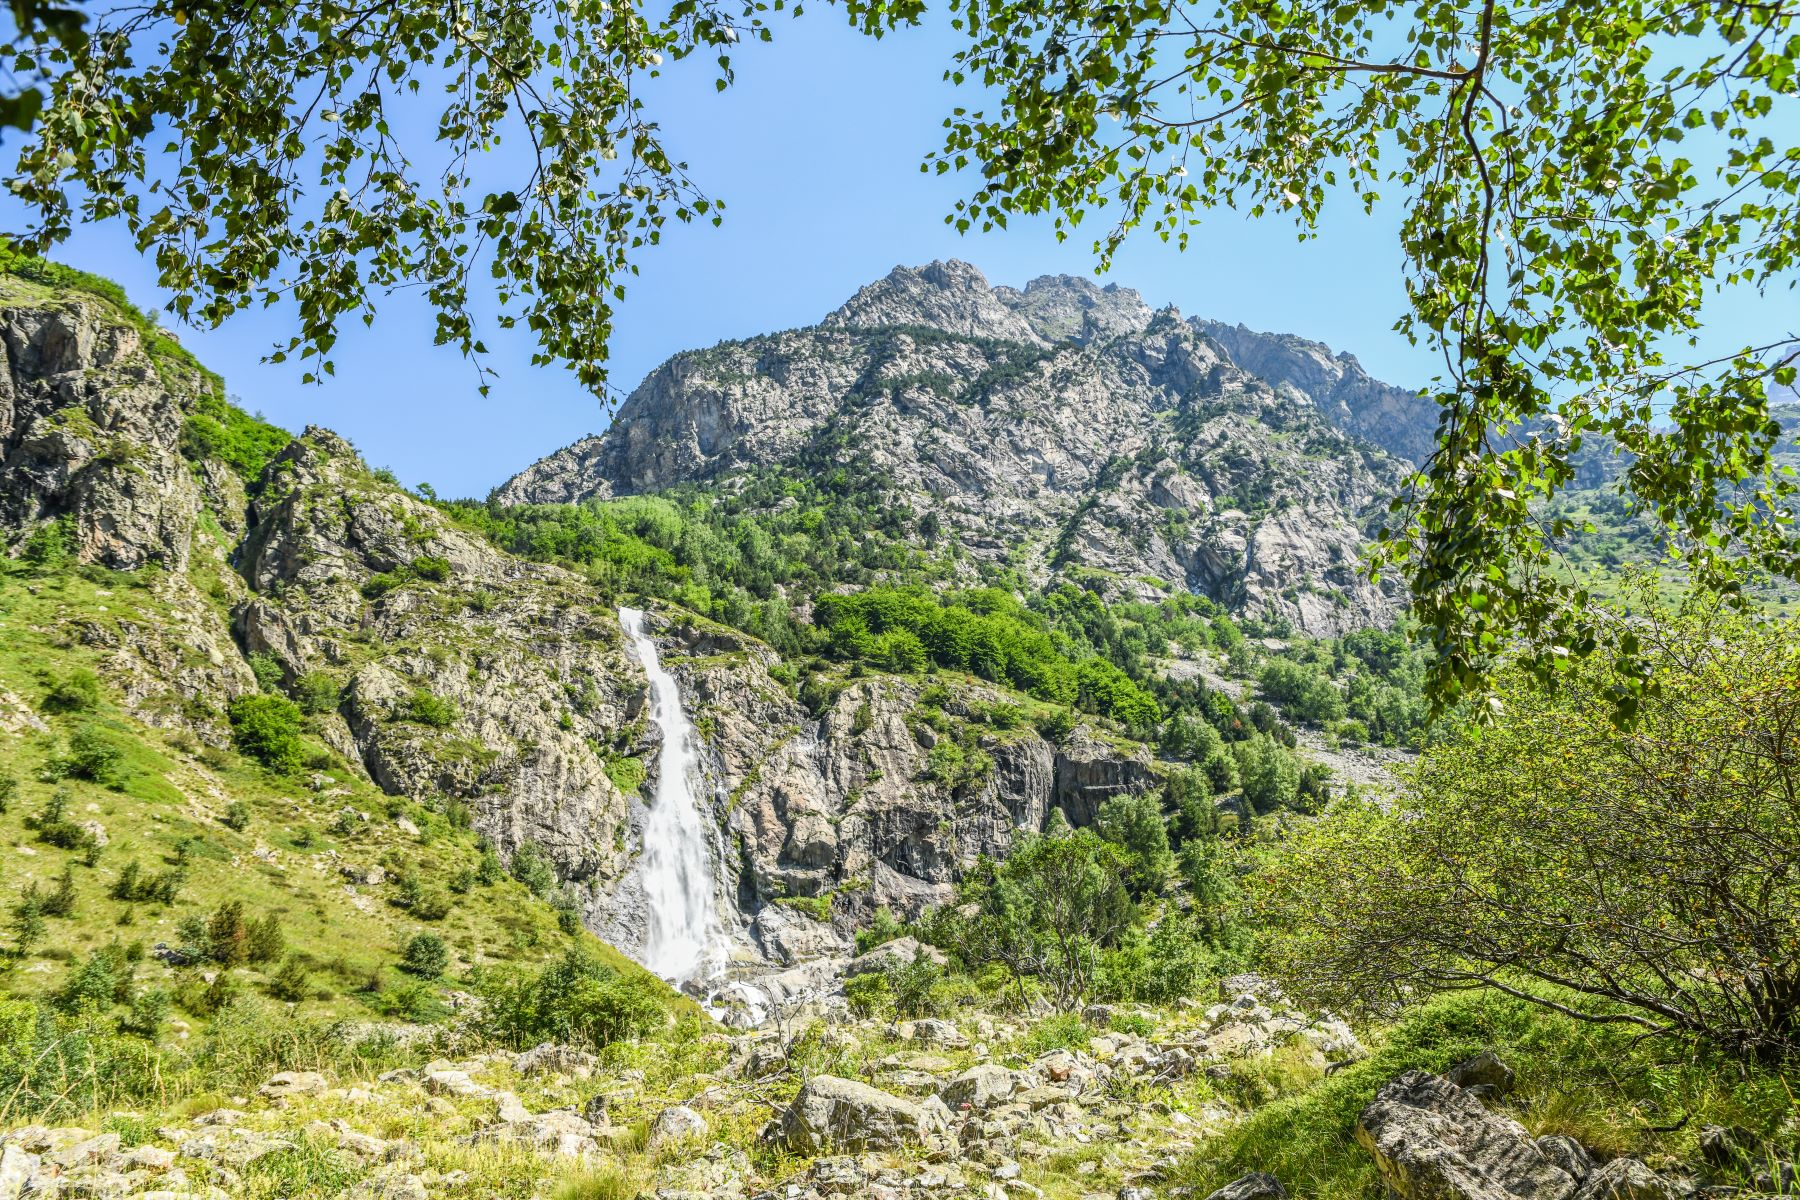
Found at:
(292, 1083)
(898, 953)
(930, 1031)
(1568, 1154)
(1258, 1185)
(1484, 1076)
(980, 1087)
(678, 1123)
(832, 1114)
(1431, 1140)
(1627, 1179)
(550, 1058)
(16, 1170)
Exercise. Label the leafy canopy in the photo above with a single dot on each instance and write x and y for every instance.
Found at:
(266, 152)
(1643, 877)
(1574, 179)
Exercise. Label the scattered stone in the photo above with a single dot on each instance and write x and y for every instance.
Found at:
(1567, 1153)
(510, 1110)
(1627, 1179)
(844, 1115)
(551, 1058)
(1258, 1185)
(1483, 1076)
(978, 1088)
(678, 1123)
(291, 1083)
(452, 1083)
(1431, 1140)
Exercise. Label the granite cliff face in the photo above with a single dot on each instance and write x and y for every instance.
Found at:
(1065, 425)
(466, 675)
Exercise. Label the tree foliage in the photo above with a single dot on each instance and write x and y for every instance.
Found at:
(1574, 179)
(262, 154)
(1643, 876)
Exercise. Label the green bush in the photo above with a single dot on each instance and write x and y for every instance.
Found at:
(868, 994)
(425, 708)
(293, 982)
(578, 1000)
(883, 927)
(316, 692)
(94, 755)
(53, 826)
(9, 788)
(267, 728)
(217, 430)
(432, 567)
(531, 867)
(426, 955)
(1134, 823)
(264, 940)
(1062, 1031)
(237, 816)
(78, 691)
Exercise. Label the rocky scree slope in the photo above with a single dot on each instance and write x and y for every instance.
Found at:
(465, 673)
(1064, 425)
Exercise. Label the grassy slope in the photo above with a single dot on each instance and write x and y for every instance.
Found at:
(174, 792)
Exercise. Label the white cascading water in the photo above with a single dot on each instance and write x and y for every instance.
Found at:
(684, 942)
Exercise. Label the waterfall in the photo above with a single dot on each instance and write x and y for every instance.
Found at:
(684, 941)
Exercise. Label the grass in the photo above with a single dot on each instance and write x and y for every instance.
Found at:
(166, 809)
(1593, 1082)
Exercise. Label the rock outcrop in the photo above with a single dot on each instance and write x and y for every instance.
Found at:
(1431, 1140)
(1059, 426)
(832, 1114)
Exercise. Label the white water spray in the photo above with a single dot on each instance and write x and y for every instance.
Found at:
(684, 942)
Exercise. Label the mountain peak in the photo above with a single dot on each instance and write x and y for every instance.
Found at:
(956, 297)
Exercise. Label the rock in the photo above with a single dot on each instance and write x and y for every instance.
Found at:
(1568, 1154)
(1431, 1140)
(1484, 1076)
(293, 1083)
(1627, 1179)
(452, 1083)
(842, 1115)
(677, 1123)
(553, 1059)
(900, 952)
(1258, 1185)
(85, 1153)
(17, 1168)
(1722, 1147)
(509, 1109)
(149, 1158)
(930, 1031)
(980, 1087)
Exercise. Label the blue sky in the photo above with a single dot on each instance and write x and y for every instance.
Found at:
(816, 152)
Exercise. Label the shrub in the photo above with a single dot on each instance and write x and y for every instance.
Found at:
(867, 994)
(93, 755)
(9, 789)
(264, 940)
(317, 692)
(53, 827)
(1134, 823)
(426, 955)
(149, 1011)
(1649, 869)
(267, 728)
(78, 691)
(883, 927)
(61, 902)
(577, 1000)
(531, 867)
(1046, 912)
(1061, 1031)
(50, 546)
(913, 987)
(1269, 771)
(237, 816)
(227, 935)
(103, 979)
(268, 671)
(28, 919)
(293, 982)
(432, 567)
(425, 708)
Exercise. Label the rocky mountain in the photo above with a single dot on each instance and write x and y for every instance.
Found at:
(1061, 428)
(465, 679)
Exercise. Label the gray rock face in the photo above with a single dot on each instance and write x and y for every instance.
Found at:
(1400, 421)
(832, 1114)
(1258, 1185)
(1627, 1179)
(1059, 425)
(1433, 1141)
